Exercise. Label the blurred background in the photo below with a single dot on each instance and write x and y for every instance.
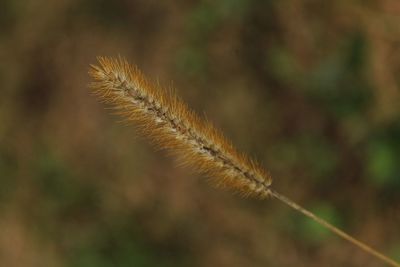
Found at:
(310, 88)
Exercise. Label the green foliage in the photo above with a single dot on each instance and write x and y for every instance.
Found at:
(62, 193)
(202, 23)
(339, 84)
(395, 252)
(192, 62)
(107, 13)
(382, 166)
(312, 232)
(283, 65)
(118, 245)
(382, 159)
(312, 154)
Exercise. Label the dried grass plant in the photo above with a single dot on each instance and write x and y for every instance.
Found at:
(168, 123)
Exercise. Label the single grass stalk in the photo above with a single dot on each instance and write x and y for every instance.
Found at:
(168, 123)
(333, 228)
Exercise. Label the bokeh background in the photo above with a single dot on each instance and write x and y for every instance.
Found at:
(308, 87)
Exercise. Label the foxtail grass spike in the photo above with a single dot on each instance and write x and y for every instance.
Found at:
(162, 117)
(169, 124)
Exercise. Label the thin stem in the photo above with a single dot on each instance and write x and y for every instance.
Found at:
(334, 229)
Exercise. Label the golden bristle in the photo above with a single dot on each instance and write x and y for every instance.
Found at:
(162, 117)
(170, 124)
